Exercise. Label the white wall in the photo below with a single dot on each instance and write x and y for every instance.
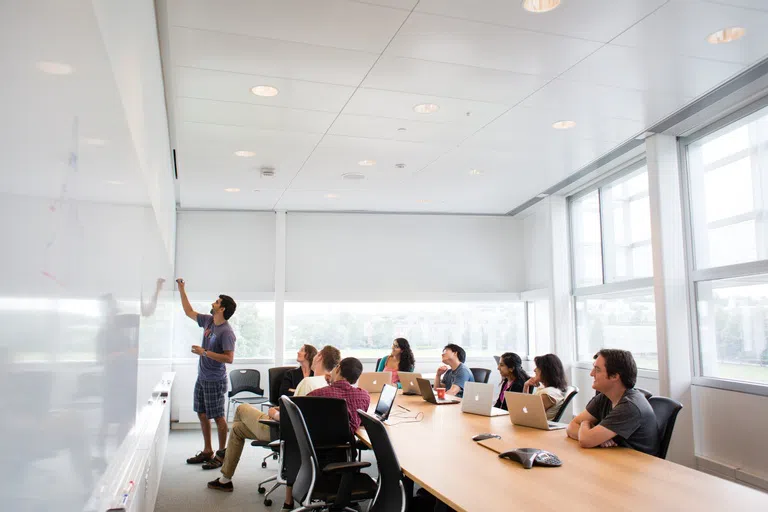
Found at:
(537, 247)
(402, 253)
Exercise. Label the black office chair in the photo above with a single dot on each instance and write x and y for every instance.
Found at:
(391, 494)
(647, 393)
(570, 392)
(244, 381)
(275, 377)
(338, 484)
(275, 380)
(481, 374)
(378, 362)
(666, 410)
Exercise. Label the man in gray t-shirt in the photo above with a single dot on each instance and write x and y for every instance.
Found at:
(618, 415)
(456, 374)
(217, 350)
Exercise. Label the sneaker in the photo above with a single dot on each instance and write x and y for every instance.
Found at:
(200, 458)
(218, 486)
(286, 508)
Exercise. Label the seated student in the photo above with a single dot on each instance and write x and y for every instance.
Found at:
(456, 373)
(247, 421)
(342, 380)
(513, 377)
(619, 415)
(292, 378)
(400, 360)
(549, 382)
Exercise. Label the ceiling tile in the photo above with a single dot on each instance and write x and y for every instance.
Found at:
(651, 70)
(268, 57)
(399, 129)
(441, 39)
(333, 23)
(452, 80)
(681, 27)
(752, 4)
(236, 87)
(464, 113)
(595, 20)
(256, 116)
(198, 194)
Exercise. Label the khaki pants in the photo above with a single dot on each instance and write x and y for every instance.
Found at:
(246, 426)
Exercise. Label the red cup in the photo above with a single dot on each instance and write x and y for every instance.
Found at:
(440, 393)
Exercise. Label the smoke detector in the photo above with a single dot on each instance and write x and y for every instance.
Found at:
(268, 172)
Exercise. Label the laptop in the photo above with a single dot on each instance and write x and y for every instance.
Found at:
(528, 411)
(373, 381)
(478, 399)
(386, 400)
(408, 381)
(426, 391)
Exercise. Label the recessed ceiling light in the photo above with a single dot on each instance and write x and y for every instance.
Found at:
(475, 172)
(563, 125)
(424, 201)
(115, 182)
(265, 90)
(231, 190)
(331, 196)
(55, 68)
(540, 5)
(95, 142)
(366, 163)
(426, 108)
(542, 196)
(727, 35)
(245, 154)
(353, 176)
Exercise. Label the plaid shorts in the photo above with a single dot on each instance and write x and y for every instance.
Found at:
(210, 397)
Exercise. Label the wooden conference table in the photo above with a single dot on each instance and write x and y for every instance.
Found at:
(438, 453)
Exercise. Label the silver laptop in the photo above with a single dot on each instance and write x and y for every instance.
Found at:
(528, 411)
(426, 391)
(372, 382)
(478, 399)
(408, 381)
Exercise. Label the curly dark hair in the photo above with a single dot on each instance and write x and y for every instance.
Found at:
(515, 363)
(407, 361)
(551, 371)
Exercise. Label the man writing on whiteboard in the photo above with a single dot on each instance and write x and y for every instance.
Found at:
(217, 350)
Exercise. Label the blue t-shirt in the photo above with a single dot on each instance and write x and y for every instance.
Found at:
(460, 376)
(218, 339)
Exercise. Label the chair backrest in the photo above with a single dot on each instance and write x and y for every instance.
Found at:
(647, 393)
(666, 411)
(275, 376)
(391, 493)
(378, 362)
(245, 380)
(481, 374)
(327, 424)
(570, 392)
(304, 481)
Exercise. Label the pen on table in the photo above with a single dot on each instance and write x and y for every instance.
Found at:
(400, 406)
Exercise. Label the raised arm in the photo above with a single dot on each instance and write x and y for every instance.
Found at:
(191, 313)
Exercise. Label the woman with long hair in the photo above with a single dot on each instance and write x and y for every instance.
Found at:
(513, 377)
(549, 382)
(292, 377)
(399, 360)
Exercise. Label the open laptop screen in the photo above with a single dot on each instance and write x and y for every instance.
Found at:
(386, 399)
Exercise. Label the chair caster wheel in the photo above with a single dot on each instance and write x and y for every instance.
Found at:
(262, 490)
(268, 502)
(264, 465)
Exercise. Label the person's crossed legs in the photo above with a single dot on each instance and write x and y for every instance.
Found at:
(246, 426)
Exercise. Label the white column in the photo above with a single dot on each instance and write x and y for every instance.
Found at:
(562, 310)
(279, 287)
(670, 286)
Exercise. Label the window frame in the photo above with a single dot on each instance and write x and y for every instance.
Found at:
(695, 275)
(605, 289)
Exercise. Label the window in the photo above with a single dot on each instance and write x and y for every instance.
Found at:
(253, 323)
(627, 321)
(613, 267)
(365, 329)
(727, 178)
(539, 328)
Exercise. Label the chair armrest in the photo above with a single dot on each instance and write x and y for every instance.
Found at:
(323, 447)
(337, 467)
(270, 423)
(275, 445)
